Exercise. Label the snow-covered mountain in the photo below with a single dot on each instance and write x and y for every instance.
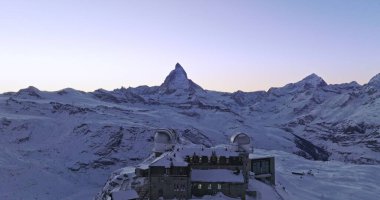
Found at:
(177, 81)
(64, 144)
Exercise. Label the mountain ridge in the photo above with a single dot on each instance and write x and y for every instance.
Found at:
(79, 138)
(185, 83)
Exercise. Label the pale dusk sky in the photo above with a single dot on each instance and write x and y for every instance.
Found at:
(223, 45)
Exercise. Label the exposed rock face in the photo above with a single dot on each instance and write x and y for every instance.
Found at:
(312, 81)
(177, 80)
(375, 81)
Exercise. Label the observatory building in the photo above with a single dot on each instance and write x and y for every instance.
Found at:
(241, 143)
(164, 140)
(176, 171)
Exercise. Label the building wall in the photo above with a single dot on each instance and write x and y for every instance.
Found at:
(170, 187)
(169, 183)
(233, 190)
(262, 166)
(241, 163)
(214, 160)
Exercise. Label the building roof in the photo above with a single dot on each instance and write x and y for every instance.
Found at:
(165, 136)
(177, 156)
(255, 156)
(169, 159)
(216, 175)
(125, 195)
(219, 151)
(241, 138)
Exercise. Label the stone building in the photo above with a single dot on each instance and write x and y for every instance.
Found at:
(182, 172)
(169, 177)
(212, 181)
(177, 171)
(263, 167)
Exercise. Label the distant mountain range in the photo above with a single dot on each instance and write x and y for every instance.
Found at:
(75, 139)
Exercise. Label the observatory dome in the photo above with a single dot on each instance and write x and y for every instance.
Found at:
(240, 139)
(162, 137)
(241, 142)
(164, 140)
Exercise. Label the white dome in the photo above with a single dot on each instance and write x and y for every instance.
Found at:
(162, 137)
(241, 142)
(164, 140)
(240, 139)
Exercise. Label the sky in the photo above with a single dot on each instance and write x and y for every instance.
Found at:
(223, 45)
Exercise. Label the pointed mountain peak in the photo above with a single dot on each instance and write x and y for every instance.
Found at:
(176, 76)
(179, 66)
(313, 80)
(375, 81)
(177, 79)
(312, 76)
(180, 70)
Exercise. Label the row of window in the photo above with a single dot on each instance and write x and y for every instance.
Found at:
(213, 160)
(179, 187)
(261, 167)
(176, 171)
(209, 186)
(179, 196)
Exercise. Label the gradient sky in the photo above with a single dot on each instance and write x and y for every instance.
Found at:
(223, 45)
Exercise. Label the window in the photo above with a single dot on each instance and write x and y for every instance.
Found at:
(160, 193)
(199, 186)
(227, 160)
(209, 186)
(261, 167)
(219, 186)
(222, 160)
(204, 159)
(256, 167)
(214, 160)
(265, 167)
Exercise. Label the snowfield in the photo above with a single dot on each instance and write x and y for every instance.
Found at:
(65, 144)
(323, 179)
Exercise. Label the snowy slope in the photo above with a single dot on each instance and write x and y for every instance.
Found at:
(69, 141)
(323, 180)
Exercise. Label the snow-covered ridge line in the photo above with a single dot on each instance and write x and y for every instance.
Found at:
(76, 139)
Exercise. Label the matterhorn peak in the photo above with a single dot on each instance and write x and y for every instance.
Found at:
(177, 76)
(375, 81)
(177, 79)
(179, 67)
